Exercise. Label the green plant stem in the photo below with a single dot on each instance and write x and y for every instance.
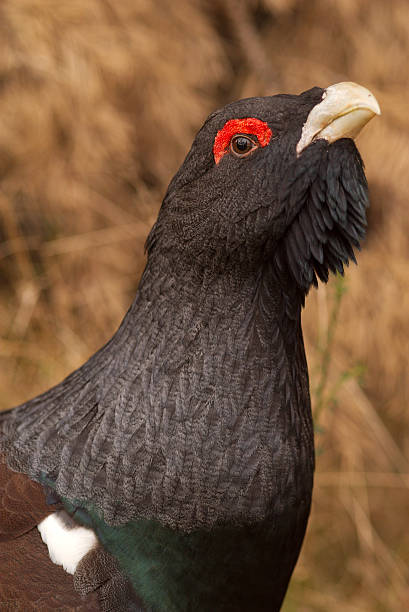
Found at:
(326, 351)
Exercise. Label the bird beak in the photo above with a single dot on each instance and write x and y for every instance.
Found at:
(344, 110)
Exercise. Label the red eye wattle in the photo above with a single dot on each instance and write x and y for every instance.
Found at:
(234, 129)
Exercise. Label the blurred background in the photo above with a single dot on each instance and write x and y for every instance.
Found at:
(99, 102)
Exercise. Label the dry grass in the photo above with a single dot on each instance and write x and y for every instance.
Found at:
(98, 103)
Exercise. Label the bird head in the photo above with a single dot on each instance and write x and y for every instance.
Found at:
(276, 178)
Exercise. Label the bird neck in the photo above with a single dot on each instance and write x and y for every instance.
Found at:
(258, 295)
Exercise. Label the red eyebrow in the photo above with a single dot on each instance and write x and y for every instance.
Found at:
(249, 125)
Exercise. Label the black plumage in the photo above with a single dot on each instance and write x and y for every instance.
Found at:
(194, 419)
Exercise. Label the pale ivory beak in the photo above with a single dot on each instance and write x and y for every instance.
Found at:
(343, 112)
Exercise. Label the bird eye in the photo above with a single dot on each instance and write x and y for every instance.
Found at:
(241, 146)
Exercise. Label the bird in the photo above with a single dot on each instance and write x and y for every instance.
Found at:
(173, 471)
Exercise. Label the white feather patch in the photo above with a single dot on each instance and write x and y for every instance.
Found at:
(66, 546)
